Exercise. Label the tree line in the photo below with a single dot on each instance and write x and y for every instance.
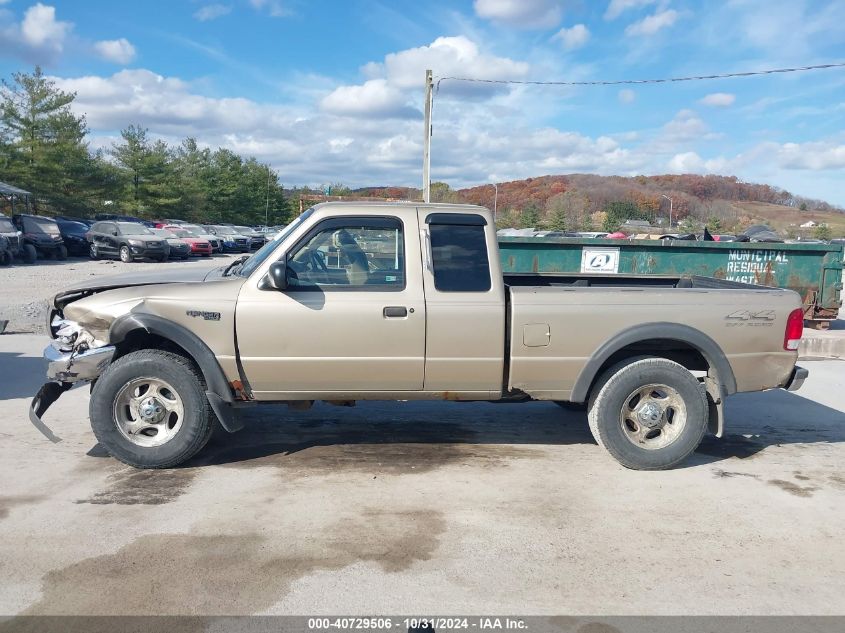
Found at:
(44, 149)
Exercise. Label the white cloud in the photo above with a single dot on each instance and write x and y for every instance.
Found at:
(528, 14)
(118, 51)
(626, 95)
(618, 7)
(573, 37)
(685, 126)
(212, 11)
(718, 99)
(38, 38)
(374, 99)
(815, 156)
(685, 163)
(40, 27)
(273, 8)
(653, 23)
(456, 56)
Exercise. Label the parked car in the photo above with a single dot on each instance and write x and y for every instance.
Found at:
(198, 231)
(126, 241)
(198, 245)
(40, 237)
(233, 242)
(73, 235)
(12, 236)
(179, 248)
(256, 238)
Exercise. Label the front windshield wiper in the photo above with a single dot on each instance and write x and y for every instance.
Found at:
(238, 262)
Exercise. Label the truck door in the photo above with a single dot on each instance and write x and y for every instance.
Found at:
(465, 304)
(352, 319)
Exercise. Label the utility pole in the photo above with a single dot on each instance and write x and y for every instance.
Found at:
(267, 205)
(429, 95)
(670, 208)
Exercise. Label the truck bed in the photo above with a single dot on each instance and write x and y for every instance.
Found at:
(558, 323)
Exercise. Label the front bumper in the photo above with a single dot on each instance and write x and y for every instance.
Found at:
(796, 379)
(64, 369)
(75, 367)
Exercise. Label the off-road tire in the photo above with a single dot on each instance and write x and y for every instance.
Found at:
(61, 254)
(29, 253)
(609, 395)
(125, 255)
(188, 382)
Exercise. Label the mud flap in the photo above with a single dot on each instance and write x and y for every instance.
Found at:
(45, 397)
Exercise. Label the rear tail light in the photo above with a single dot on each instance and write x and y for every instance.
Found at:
(794, 330)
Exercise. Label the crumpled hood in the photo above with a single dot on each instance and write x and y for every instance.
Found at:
(140, 278)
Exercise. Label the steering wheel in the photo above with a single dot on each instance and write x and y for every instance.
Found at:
(318, 260)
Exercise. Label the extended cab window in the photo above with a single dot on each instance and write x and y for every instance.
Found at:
(350, 253)
(459, 253)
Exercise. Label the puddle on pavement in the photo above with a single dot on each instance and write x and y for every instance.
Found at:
(7, 503)
(793, 488)
(131, 486)
(233, 574)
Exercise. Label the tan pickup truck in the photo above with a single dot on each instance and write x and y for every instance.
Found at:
(363, 301)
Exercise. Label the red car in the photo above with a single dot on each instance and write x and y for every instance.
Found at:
(198, 246)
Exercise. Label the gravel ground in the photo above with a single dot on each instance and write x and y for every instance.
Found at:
(25, 290)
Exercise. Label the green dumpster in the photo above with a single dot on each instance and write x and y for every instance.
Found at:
(814, 271)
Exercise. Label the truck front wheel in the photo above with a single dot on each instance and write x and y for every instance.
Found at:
(29, 253)
(149, 409)
(649, 414)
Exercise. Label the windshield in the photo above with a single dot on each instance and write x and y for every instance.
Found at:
(249, 266)
(164, 233)
(243, 230)
(181, 233)
(193, 229)
(225, 230)
(133, 228)
(6, 226)
(40, 225)
(73, 227)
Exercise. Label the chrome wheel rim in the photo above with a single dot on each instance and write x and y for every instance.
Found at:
(92, 250)
(653, 416)
(124, 254)
(148, 412)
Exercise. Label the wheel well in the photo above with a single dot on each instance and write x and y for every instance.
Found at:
(141, 339)
(678, 351)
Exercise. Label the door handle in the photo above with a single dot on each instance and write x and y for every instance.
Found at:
(392, 312)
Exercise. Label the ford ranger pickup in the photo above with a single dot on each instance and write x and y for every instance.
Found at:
(407, 301)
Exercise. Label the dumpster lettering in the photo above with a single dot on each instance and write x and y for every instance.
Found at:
(755, 266)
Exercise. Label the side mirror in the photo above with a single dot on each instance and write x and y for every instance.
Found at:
(276, 278)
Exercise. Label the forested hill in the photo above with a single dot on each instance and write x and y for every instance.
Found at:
(579, 201)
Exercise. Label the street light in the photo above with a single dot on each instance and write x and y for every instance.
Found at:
(670, 208)
(495, 199)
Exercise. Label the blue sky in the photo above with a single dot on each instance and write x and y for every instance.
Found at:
(332, 91)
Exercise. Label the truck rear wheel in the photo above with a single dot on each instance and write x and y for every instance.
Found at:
(648, 413)
(149, 409)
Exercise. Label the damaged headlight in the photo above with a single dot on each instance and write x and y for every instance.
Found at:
(70, 336)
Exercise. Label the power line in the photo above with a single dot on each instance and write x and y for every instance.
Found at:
(618, 82)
